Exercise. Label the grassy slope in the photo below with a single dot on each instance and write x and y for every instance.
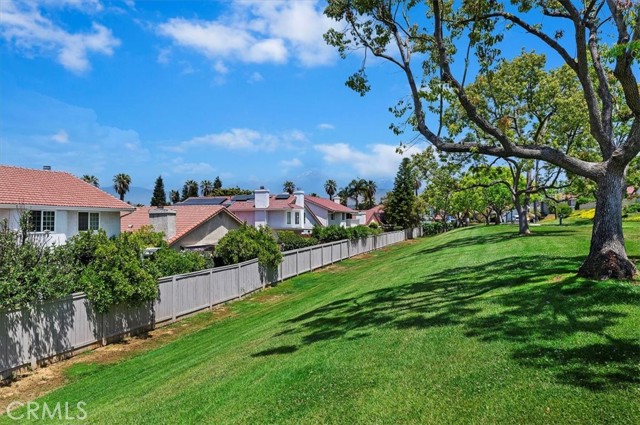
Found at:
(475, 326)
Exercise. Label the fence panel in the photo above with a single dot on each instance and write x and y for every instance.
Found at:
(163, 304)
(336, 253)
(16, 338)
(289, 265)
(122, 319)
(327, 254)
(316, 257)
(191, 292)
(225, 284)
(304, 260)
(250, 278)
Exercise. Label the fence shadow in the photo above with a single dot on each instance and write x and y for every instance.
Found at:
(490, 306)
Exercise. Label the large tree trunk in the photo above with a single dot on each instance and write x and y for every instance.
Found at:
(523, 220)
(607, 256)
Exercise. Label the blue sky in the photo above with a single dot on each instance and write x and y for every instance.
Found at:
(245, 90)
(190, 90)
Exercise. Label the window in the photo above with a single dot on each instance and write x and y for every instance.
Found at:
(288, 217)
(43, 221)
(342, 215)
(349, 216)
(332, 216)
(88, 221)
(297, 218)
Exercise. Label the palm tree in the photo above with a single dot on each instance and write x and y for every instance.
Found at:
(370, 189)
(190, 189)
(417, 185)
(206, 187)
(174, 196)
(330, 186)
(356, 189)
(91, 179)
(344, 195)
(121, 184)
(289, 187)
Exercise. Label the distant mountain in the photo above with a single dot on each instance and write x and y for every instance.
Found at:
(135, 195)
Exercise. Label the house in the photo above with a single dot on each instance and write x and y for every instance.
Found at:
(280, 212)
(328, 212)
(374, 215)
(195, 227)
(61, 204)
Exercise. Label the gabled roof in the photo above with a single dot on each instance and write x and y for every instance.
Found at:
(29, 187)
(328, 204)
(372, 213)
(188, 218)
(274, 204)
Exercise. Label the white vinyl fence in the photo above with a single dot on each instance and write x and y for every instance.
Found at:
(61, 327)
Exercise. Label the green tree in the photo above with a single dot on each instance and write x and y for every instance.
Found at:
(438, 33)
(206, 187)
(369, 192)
(159, 198)
(344, 196)
(217, 183)
(246, 243)
(91, 179)
(121, 183)
(289, 187)
(174, 196)
(330, 186)
(400, 209)
(189, 189)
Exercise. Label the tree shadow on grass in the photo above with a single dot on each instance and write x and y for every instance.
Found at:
(555, 321)
(494, 238)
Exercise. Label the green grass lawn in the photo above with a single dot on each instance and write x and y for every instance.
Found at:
(475, 326)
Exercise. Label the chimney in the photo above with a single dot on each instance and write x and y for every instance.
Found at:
(163, 220)
(299, 194)
(336, 199)
(46, 167)
(261, 198)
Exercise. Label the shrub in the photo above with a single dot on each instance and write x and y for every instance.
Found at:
(337, 233)
(167, 262)
(246, 243)
(290, 240)
(374, 225)
(631, 208)
(436, 227)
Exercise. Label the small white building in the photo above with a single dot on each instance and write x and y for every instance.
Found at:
(330, 212)
(61, 204)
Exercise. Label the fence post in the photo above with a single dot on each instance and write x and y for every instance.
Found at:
(104, 329)
(297, 263)
(173, 298)
(34, 339)
(238, 282)
(322, 255)
(210, 288)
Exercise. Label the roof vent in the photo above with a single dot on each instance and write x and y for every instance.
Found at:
(46, 167)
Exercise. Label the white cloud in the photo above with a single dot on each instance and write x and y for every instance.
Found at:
(256, 77)
(291, 163)
(244, 139)
(220, 68)
(23, 25)
(258, 32)
(164, 56)
(380, 161)
(191, 168)
(61, 137)
(326, 126)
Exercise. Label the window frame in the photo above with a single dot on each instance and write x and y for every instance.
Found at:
(297, 217)
(288, 217)
(89, 214)
(332, 216)
(43, 215)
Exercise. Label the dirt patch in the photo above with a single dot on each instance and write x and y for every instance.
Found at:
(33, 384)
(333, 268)
(362, 256)
(268, 299)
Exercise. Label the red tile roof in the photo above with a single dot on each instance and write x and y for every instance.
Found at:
(328, 204)
(372, 213)
(188, 218)
(274, 204)
(25, 186)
